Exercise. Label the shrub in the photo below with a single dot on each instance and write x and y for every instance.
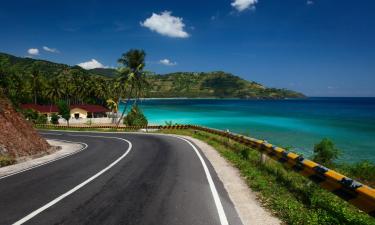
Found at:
(54, 118)
(244, 153)
(169, 123)
(364, 171)
(42, 119)
(6, 160)
(325, 152)
(30, 115)
(135, 117)
(64, 110)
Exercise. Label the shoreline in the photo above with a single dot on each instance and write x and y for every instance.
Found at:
(215, 98)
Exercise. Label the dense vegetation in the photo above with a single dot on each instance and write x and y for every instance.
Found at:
(293, 198)
(26, 80)
(212, 84)
(30, 80)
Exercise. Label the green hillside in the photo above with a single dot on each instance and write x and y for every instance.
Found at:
(180, 84)
(213, 84)
(10, 63)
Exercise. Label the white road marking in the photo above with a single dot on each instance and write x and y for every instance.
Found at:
(50, 133)
(53, 160)
(215, 195)
(76, 188)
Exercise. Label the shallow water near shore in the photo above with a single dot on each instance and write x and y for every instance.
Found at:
(294, 123)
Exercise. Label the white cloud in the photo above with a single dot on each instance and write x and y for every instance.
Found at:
(167, 62)
(241, 5)
(310, 2)
(92, 64)
(53, 50)
(166, 24)
(33, 51)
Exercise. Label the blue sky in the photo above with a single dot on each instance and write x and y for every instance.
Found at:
(318, 47)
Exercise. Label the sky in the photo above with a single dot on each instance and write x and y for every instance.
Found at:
(318, 47)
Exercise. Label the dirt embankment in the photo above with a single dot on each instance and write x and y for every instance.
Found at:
(17, 136)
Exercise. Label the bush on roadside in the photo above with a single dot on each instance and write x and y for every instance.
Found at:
(54, 118)
(135, 117)
(30, 115)
(42, 119)
(6, 160)
(170, 123)
(64, 110)
(364, 171)
(325, 152)
(244, 152)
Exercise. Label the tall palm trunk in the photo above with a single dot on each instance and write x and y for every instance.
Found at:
(126, 106)
(35, 93)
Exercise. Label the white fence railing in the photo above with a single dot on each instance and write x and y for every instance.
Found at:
(88, 121)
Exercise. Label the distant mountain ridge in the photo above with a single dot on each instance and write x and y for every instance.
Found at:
(216, 84)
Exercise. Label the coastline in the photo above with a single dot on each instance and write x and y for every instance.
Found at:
(215, 98)
(295, 123)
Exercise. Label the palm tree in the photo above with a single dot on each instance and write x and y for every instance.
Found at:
(131, 70)
(54, 92)
(65, 83)
(98, 88)
(35, 83)
(112, 105)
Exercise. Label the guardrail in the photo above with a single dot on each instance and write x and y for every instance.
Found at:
(360, 195)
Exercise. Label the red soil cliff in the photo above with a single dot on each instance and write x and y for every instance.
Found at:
(17, 136)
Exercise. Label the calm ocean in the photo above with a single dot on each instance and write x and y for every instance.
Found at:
(299, 124)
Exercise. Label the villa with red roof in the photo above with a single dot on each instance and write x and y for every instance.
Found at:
(76, 111)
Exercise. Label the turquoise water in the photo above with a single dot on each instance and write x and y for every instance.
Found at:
(299, 124)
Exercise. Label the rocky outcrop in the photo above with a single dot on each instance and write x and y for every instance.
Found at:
(17, 136)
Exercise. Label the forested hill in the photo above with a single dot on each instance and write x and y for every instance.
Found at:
(180, 84)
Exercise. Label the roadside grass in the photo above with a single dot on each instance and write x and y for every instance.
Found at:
(290, 196)
(362, 171)
(6, 160)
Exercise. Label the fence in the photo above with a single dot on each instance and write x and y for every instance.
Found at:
(89, 121)
(360, 195)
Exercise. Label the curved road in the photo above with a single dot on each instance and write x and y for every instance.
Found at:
(119, 178)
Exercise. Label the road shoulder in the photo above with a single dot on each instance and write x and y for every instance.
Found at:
(244, 199)
(64, 149)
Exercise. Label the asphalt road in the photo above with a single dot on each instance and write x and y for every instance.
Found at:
(119, 179)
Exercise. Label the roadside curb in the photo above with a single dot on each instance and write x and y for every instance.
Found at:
(68, 148)
(243, 198)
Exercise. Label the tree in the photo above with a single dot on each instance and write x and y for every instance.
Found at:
(35, 84)
(30, 115)
(64, 110)
(325, 152)
(132, 63)
(42, 119)
(135, 117)
(133, 59)
(112, 105)
(54, 118)
(53, 91)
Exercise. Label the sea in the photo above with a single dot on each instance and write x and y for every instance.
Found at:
(297, 124)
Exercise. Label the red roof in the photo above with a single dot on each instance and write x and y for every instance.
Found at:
(41, 108)
(91, 108)
(54, 109)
